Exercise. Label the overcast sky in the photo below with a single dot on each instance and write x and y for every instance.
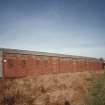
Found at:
(75, 27)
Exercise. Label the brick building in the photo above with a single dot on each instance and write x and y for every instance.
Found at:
(19, 63)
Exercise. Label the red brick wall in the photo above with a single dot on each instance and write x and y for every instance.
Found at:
(18, 65)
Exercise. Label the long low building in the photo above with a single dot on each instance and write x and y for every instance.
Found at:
(19, 63)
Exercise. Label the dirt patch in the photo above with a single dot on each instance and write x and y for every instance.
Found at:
(46, 89)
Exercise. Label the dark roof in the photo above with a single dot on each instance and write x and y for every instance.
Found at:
(8, 50)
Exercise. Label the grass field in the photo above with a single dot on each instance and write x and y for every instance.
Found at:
(53, 89)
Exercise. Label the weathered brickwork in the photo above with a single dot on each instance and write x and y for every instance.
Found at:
(21, 64)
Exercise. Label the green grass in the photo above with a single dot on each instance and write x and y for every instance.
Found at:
(96, 95)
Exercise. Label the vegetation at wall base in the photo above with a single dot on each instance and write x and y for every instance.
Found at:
(96, 95)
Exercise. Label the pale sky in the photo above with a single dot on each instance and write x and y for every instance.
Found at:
(74, 27)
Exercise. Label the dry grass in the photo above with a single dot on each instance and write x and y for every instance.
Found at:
(47, 89)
